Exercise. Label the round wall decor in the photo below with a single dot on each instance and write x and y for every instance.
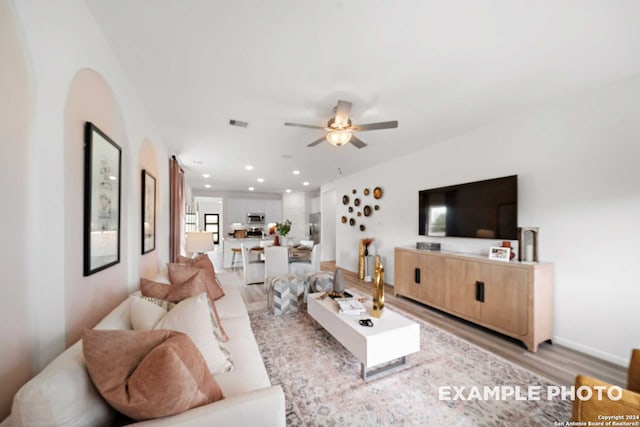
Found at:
(345, 200)
(366, 191)
(377, 193)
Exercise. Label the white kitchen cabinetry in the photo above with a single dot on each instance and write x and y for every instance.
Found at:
(272, 211)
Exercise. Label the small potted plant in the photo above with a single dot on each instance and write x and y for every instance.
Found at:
(282, 229)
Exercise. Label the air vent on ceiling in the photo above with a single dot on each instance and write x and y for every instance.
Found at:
(238, 123)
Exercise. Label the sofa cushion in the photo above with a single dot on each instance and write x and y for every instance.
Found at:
(179, 272)
(148, 374)
(193, 317)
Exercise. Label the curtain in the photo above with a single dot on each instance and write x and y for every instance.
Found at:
(176, 209)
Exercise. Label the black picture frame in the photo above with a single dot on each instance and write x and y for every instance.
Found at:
(148, 212)
(102, 200)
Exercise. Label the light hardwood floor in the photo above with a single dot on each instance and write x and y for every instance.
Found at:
(553, 361)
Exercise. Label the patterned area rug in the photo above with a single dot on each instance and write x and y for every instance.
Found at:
(322, 383)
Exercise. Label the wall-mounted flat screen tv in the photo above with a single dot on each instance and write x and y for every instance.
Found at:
(483, 209)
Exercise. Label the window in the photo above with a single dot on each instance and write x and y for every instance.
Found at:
(211, 225)
(190, 219)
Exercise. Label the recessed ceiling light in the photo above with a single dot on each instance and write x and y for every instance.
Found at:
(207, 186)
(220, 201)
(305, 183)
(249, 167)
(260, 179)
(113, 178)
(296, 172)
(251, 188)
(205, 175)
(288, 190)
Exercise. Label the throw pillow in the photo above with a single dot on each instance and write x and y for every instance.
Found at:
(193, 317)
(148, 374)
(175, 292)
(180, 272)
(146, 312)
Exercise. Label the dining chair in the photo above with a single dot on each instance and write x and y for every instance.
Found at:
(253, 269)
(276, 261)
(301, 269)
(306, 243)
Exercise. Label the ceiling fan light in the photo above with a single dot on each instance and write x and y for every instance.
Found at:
(339, 137)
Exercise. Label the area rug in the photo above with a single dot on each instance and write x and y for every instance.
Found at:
(322, 384)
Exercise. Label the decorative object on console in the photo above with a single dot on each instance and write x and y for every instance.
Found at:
(361, 257)
(378, 287)
(429, 246)
(528, 244)
(102, 184)
(367, 242)
(499, 253)
(148, 204)
(507, 244)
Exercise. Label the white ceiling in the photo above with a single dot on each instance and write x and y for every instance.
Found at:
(439, 67)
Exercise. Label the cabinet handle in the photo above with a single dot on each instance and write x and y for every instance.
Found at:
(479, 291)
(416, 275)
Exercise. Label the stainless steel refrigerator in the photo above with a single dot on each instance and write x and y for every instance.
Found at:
(314, 227)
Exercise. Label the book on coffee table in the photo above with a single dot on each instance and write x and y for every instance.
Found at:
(350, 306)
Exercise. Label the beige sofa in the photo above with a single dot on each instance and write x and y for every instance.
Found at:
(62, 394)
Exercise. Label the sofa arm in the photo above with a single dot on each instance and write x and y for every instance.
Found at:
(633, 376)
(263, 407)
(594, 408)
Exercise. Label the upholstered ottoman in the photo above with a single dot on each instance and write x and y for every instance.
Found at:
(285, 294)
(320, 281)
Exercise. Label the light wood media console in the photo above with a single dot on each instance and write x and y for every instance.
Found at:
(513, 298)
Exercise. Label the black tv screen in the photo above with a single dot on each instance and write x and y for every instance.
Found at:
(483, 209)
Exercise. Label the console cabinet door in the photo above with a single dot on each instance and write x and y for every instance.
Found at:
(464, 281)
(505, 301)
(404, 283)
(431, 286)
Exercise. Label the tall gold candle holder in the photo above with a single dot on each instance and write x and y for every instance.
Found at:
(378, 287)
(361, 251)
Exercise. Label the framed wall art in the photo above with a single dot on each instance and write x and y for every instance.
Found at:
(102, 188)
(148, 225)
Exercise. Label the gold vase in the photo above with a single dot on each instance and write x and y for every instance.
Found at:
(361, 260)
(378, 287)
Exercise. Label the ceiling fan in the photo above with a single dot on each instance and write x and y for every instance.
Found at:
(341, 130)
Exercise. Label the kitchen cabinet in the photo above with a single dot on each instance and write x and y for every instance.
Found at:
(272, 211)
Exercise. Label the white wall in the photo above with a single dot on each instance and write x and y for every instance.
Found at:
(579, 181)
(59, 39)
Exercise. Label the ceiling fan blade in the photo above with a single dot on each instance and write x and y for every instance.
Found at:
(304, 126)
(317, 141)
(343, 109)
(375, 126)
(357, 142)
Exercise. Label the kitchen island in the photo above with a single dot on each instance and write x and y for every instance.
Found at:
(229, 243)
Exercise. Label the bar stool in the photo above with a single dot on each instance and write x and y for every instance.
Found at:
(235, 251)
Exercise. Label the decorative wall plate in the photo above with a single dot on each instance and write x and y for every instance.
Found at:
(353, 191)
(362, 227)
(344, 219)
(367, 210)
(350, 209)
(359, 213)
(356, 202)
(377, 193)
(352, 222)
(345, 200)
(376, 207)
(366, 191)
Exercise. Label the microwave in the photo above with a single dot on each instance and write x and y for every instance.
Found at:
(255, 218)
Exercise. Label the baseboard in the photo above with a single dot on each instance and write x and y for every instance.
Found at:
(616, 360)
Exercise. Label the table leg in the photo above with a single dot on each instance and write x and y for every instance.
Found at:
(372, 373)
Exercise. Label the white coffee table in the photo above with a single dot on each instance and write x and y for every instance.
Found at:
(391, 339)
